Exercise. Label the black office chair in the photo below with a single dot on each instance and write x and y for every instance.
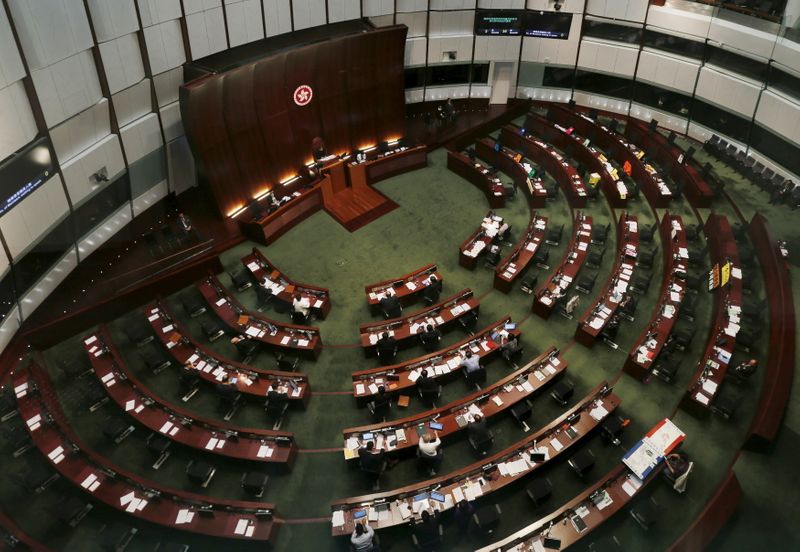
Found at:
(645, 259)
(428, 543)
(695, 282)
(697, 255)
(241, 279)
(469, 321)
(299, 318)
(553, 236)
(200, 472)
(154, 359)
(170, 239)
(646, 513)
(72, 369)
(254, 483)
(476, 378)
(286, 362)
(94, 396)
(172, 546)
(595, 258)
(71, 510)
(521, 412)
(562, 391)
(158, 445)
(116, 429)
(430, 464)
(193, 303)
(275, 407)
(688, 307)
(229, 398)
(430, 342)
(492, 257)
(432, 292)
(629, 310)
(582, 462)
(551, 191)
(541, 257)
(487, 518)
(138, 333)
(189, 384)
(585, 283)
(693, 231)
(212, 328)
(117, 536)
(510, 190)
(640, 284)
(667, 366)
(683, 337)
(599, 234)
(647, 233)
(36, 477)
(539, 491)
(247, 349)
(528, 284)
(612, 429)
(481, 445)
(374, 471)
(512, 355)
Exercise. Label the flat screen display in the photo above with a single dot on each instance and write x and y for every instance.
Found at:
(544, 24)
(23, 173)
(499, 23)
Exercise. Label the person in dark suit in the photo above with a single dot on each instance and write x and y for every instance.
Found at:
(427, 386)
(390, 305)
(477, 429)
(372, 460)
(386, 347)
(382, 404)
(432, 290)
(430, 338)
(427, 530)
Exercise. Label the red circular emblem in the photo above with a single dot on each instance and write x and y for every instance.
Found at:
(303, 95)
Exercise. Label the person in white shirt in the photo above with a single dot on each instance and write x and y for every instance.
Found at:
(430, 451)
(301, 304)
(362, 538)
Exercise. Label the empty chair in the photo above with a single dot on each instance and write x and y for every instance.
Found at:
(241, 279)
(138, 334)
(168, 234)
(553, 236)
(95, 396)
(645, 513)
(627, 307)
(539, 491)
(229, 398)
(528, 284)
(562, 391)
(697, 255)
(19, 439)
(551, 190)
(582, 462)
(640, 284)
(695, 282)
(469, 321)
(212, 328)
(36, 477)
(522, 412)
(612, 429)
(286, 362)
(693, 231)
(116, 429)
(487, 518)
(666, 367)
(254, 483)
(158, 445)
(200, 472)
(594, 259)
(155, 359)
(193, 303)
(688, 307)
(645, 259)
(747, 256)
(726, 403)
(748, 337)
(647, 233)
(511, 351)
(599, 233)
(172, 546)
(372, 462)
(585, 283)
(74, 368)
(683, 337)
(71, 510)
(151, 242)
(510, 190)
(710, 145)
(263, 297)
(117, 537)
(541, 256)
(247, 349)
(275, 407)
(754, 309)
(492, 257)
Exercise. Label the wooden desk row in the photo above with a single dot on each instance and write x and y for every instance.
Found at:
(589, 156)
(121, 490)
(379, 166)
(598, 315)
(728, 299)
(483, 477)
(15, 538)
(306, 199)
(480, 176)
(406, 288)
(275, 335)
(514, 164)
(646, 349)
(563, 276)
(480, 240)
(214, 369)
(406, 328)
(267, 275)
(652, 185)
(447, 362)
(517, 261)
(553, 162)
(600, 501)
(779, 371)
(695, 187)
(404, 433)
(176, 423)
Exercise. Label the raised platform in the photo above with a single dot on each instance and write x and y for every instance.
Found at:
(357, 207)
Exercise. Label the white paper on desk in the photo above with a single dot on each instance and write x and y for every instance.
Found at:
(125, 499)
(473, 491)
(517, 466)
(241, 526)
(701, 398)
(285, 340)
(212, 443)
(527, 387)
(107, 377)
(360, 389)
(503, 469)
(418, 505)
(130, 405)
(556, 444)
(458, 494)
(252, 331)
(174, 430)
(372, 514)
(264, 451)
(133, 505)
(302, 342)
(221, 302)
(373, 388)
(709, 387)
(598, 412)
(405, 511)
(351, 443)
(497, 400)
(86, 483)
(184, 516)
(632, 485)
(454, 362)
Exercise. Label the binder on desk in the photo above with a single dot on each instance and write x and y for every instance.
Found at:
(243, 319)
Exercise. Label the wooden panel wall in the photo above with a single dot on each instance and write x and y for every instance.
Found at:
(247, 134)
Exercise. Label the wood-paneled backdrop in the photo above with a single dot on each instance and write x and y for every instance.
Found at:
(247, 134)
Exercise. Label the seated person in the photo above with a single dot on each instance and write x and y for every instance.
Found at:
(427, 529)
(386, 345)
(746, 369)
(477, 429)
(432, 290)
(301, 305)
(362, 538)
(471, 363)
(510, 346)
(463, 514)
(390, 305)
(185, 223)
(381, 404)
(430, 451)
(427, 385)
(678, 469)
(372, 460)
(430, 338)
(572, 304)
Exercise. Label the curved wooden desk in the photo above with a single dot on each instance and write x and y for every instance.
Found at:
(441, 315)
(513, 163)
(403, 434)
(487, 475)
(713, 365)
(380, 166)
(176, 423)
(305, 200)
(646, 349)
(562, 172)
(479, 176)
(288, 337)
(518, 259)
(478, 243)
(567, 270)
(441, 364)
(407, 288)
(124, 491)
(598, 315)
(261, 269)
(213, 368)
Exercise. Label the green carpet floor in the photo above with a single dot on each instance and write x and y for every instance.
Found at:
(438, 210)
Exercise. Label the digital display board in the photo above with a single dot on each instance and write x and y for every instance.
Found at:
(539, 24)
(23, 172)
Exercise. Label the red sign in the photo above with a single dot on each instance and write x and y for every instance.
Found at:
(303, 95)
